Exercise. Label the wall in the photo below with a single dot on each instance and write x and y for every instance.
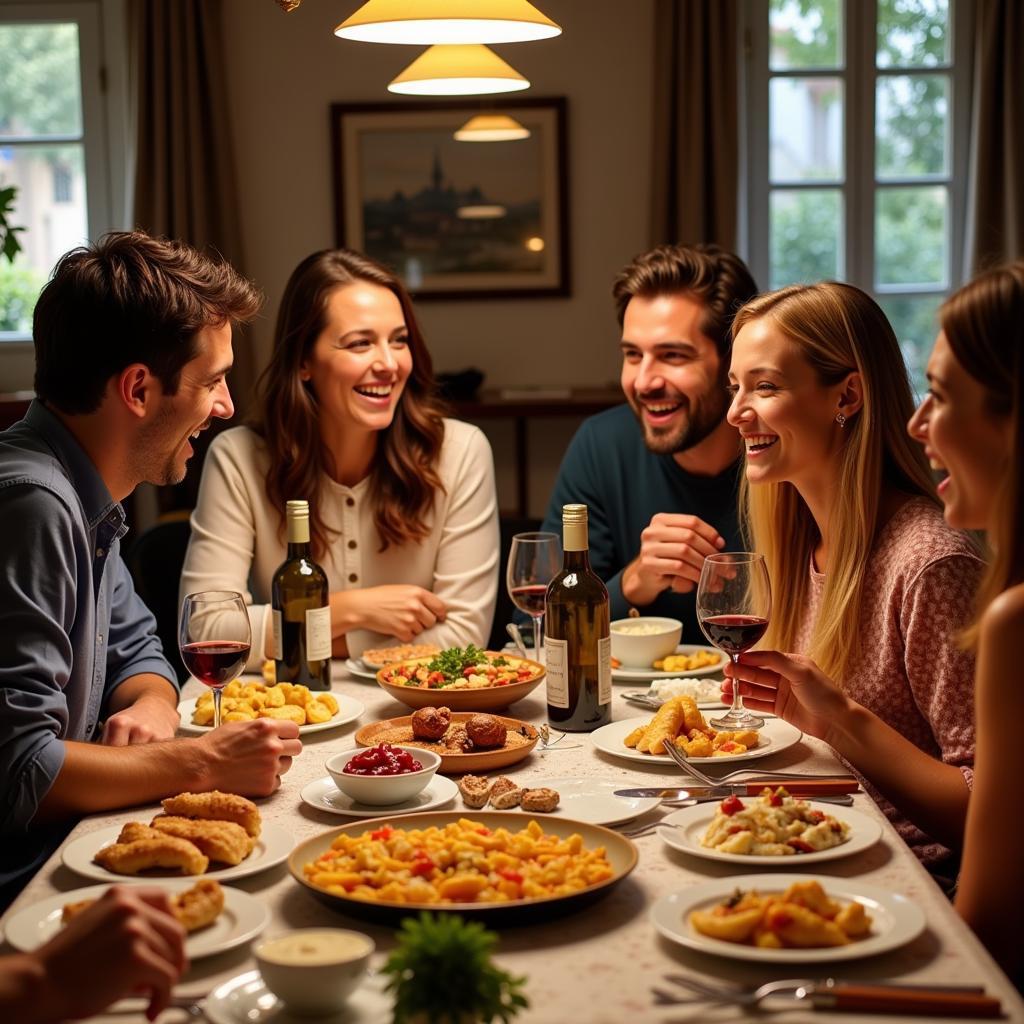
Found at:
(284, 71)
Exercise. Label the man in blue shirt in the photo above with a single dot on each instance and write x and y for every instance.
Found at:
(133, 346)
(660, 474)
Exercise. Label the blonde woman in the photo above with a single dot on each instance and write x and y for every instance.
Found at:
(869, 583)
(972, 426)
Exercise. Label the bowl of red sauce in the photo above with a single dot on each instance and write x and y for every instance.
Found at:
(383, 775)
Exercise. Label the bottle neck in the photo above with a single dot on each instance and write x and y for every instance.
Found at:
(298, 549)
(575, 561)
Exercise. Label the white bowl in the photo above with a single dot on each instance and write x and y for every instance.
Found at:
(383, 790)
(308, 976)
(641, 650)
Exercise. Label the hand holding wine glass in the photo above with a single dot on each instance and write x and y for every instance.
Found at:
(733, 607)
(214, 639)
(533, 562)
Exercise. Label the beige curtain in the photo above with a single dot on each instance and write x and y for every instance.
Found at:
(995, 205)
(696, 122)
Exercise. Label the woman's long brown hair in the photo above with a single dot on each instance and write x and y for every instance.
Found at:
(404, 477)
(984, 325)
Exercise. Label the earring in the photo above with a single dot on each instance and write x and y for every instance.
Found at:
(841, 420)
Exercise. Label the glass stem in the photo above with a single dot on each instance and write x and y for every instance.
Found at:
(538, 632)
(216, 708)
(737, 700)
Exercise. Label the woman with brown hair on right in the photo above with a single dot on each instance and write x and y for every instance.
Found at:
(971, 424)
(403, 511)
(868, 583)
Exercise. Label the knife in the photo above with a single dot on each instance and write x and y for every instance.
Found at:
(812, 787)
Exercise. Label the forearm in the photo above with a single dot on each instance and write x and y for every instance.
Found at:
(136, 687)
(96, 777)
(345, 614)
(933, 795)
(634, 588)
(22, 985)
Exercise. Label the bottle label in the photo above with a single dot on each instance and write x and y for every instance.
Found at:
(278, 640)
(318, 633)
(555, 656)
(604, 670)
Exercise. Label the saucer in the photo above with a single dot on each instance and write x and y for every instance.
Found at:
(324, 795)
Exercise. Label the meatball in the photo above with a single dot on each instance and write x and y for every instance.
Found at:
(486, 731)
(430, 723)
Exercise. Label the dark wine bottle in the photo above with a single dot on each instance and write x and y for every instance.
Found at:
(577, 635)
(302, 615)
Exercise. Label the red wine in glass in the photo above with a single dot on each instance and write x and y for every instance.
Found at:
(529, 599)
(215, 662)
(734, 633)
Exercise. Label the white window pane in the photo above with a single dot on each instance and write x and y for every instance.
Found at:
(50, 205)
(914, 319)
(911, 233)
(806, 125)
(806, 232)
(805, 34)
(913, 33)
(40, 82)
(912, 125)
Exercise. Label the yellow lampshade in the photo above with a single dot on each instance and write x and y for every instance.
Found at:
(491, 128)
(428, 22)
(481, 211)
(457, 71)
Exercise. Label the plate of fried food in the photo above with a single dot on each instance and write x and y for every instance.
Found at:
(466, 742)
(785, 919)
(771, 829)
(520, 868)
(688, 660)
(245, 701)
(219, 835)
(214, 918)
(679, 721)
(463, 679)
(375, 658)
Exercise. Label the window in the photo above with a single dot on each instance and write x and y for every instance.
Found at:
(856, 134)
(53, 143)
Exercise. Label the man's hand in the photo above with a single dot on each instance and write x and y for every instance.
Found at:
(672, 552)
(249, 758)
(149, 719)
(400, 610)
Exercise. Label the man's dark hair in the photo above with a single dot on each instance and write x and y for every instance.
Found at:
(129, 298)
(718, 279)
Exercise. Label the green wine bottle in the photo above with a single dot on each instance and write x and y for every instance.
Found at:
(302, 614)
(577, 635)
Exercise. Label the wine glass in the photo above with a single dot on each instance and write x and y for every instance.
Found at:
(533, 562)
(214, 639)
(734, 604)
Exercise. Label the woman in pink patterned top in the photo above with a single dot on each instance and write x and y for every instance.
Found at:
(869, 584)
(972, 426)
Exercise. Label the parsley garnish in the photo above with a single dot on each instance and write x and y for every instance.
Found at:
(453, 662)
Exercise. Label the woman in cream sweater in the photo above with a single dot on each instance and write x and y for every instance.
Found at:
(403, 513)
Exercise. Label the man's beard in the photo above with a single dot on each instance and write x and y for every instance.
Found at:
(700, 419)
(155, 464)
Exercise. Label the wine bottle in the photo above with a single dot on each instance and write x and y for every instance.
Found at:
(577, 640)
(302, 615)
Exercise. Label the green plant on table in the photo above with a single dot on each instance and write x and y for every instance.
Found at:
(441, 973)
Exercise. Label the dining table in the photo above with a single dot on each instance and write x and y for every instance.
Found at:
(600, 963)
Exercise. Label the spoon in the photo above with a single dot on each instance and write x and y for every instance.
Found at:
(517, 638)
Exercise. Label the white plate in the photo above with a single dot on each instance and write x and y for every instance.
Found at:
(357, 668)
(247, 1000)
(589, 800)
(273, 846)
(775, 735)
(645, 675)
(896, 921)
(349, 709)
(692, 822)
(713, 704)
(242, 919)
(324, 795)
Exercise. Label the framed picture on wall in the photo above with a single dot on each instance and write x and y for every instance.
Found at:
(455, 219)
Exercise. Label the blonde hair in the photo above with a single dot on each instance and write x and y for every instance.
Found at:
(839, 330)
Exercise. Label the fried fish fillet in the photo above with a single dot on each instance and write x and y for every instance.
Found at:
(216, 806)
(135, 830)
(222, 841)
(194, 908)
(168, 852)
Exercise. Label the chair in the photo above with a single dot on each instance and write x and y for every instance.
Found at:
(504, 609)
(155, 559)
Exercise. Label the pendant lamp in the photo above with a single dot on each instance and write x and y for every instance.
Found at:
(467, 70)
(491, 128)
(428, 22)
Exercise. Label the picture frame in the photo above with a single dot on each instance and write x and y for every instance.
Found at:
(455, 220)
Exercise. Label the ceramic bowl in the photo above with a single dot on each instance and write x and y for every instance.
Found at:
(638, 643)
(383, 790)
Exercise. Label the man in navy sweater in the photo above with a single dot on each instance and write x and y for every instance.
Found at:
(660, 474)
